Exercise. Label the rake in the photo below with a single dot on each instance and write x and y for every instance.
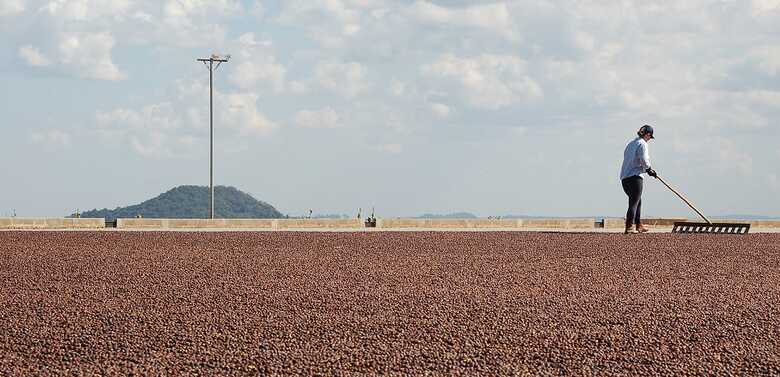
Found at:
(708, 226)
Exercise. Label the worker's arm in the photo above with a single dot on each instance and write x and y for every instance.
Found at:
(644, 156)
(644, 160)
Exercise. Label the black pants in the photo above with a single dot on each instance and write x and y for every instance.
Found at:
(633, 188)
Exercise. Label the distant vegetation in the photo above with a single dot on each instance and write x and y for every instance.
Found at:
(457, 215)
(333, 216)
(467, 215)
(192, 202)
(746, 217)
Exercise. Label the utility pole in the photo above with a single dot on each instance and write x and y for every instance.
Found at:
(209, 63)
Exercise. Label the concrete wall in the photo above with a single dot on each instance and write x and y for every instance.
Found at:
(765, 224)
(319, 224)
(389, 223)
(51, 223)
(445, 223)
(356, 224)
(616, 223)
(486, 223)
(194, 223)
(238, 224)
(619, 223)
(586, 223)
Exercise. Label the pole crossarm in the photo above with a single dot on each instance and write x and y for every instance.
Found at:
(213, 60)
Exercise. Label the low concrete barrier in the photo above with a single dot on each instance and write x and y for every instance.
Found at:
(486, 223)
(353, 224)
(238, 224)
(558, 223)
(51, 223)
(765, 224)
(494, 223)
(620, 223)
(446, 223)
(617, 223)
(356, 224)
(141, 223)
(194, 223)
(318, 224)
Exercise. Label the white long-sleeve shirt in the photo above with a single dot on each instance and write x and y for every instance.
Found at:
(636, 158)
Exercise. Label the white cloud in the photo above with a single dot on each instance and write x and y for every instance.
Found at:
(255, 65)
(764, 6)
(398, 88)
(81, 10)
(33, 56)
(731, 155)
(767, 58)
(715, 152)
(298, 87)
(239, 111)
(347, 79)
(390, 148)
(149, 130)
(639, 100)
(773, 181)
(88, 55)
(173, 129)
(258, 9)
(188, 23)
(78, 54)
(152, 144)
(336, 9)
(249, 39)
(494, 17)
(143, 17)
(329, 22)
(56, 138)
(11, 7)
(324, 118)
(351, 29)
(155, 24)
(487, 81)
(249, 74)
(182, 13)
(763, 97)
(518, 131)
(162, 116)
(440, 110)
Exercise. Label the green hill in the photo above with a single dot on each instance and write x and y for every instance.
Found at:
(192, 202)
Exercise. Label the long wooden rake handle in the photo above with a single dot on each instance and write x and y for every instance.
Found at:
(685, 200)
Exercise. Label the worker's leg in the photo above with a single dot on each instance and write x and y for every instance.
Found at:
(632, 186)
(638, 215)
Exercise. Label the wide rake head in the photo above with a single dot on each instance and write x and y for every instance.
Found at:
(711, 228)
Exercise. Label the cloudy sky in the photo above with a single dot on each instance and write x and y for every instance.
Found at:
(502, 107)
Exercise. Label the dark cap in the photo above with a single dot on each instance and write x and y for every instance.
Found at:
(644, 130)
